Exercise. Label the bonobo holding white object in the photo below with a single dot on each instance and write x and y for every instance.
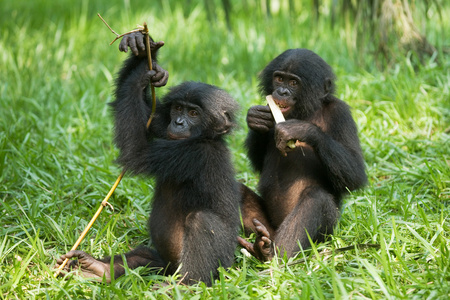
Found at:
(301, 188)
(194, 219)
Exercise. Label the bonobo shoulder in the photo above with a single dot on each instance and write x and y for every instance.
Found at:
(334, 104)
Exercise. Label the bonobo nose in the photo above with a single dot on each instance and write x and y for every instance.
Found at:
(179, 121)
(283, 91)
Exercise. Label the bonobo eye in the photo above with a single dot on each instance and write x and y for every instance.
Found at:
(293, 82)
(193, 113)
(278, 79)
(178, 108)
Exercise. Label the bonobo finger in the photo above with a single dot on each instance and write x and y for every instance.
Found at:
(266, 116)
(146, 78)
(268, 123)
(283, 151)
(140, 42)
(156, 45)
(123, 46)
(158, 70)
(263, 110)
(262, 230)
(259, 108)
(77, 254)
(266, 241)
(258, 127)
(160, 79)
(247, 245)
(260, 116)
(259, 119)
(281, 146)
(71, 264)
(263, 245)
(260, 227)
(60, 260)
(132, 45)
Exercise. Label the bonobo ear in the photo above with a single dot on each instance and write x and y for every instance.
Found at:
(224, 125)
(327, 87)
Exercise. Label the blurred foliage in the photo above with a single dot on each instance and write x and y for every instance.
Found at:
(387, 29)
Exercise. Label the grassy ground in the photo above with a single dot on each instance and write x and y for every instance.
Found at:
(56, 153)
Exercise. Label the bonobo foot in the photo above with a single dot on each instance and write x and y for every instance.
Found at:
(88, 266)
(263, 248)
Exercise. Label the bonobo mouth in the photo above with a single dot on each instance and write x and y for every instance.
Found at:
(283, 105)
(172, 136)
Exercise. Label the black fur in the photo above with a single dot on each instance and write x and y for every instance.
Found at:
(301, 189)
(194, 219)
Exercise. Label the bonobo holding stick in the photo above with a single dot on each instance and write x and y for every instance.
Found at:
(194, 219)
(301, 187)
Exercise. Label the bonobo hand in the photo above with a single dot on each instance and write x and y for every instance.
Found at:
(158, 76)
(259, 118)
(302, 132)
(263, 248)
(136, 42)
(86, 264)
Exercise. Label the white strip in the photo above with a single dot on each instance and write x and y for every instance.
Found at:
(276, 112)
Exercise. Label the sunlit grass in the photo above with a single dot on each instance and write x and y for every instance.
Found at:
(57, 155)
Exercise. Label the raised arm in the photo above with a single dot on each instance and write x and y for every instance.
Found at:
(131, 108)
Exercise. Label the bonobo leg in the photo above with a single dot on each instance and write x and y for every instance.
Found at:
(100, 268)
(208, 242)
(315, 214)
(251, 209)
(255, 220)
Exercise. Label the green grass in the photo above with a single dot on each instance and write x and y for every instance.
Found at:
(57, 155)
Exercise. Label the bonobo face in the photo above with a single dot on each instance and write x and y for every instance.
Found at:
(285, 87)
(185, 120)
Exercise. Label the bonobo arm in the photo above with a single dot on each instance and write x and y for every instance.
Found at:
(256, 144)
(338, 147)
(131, 109)
(259, 121)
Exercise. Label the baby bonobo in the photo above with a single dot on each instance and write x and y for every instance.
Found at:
(301, 188)
(194, 218)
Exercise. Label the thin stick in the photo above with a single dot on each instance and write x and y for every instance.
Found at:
(107, 25)
(150, 66)
(89, 225)
(113, 188)
(118, 36)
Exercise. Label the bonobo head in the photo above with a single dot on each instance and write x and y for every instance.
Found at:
(198, 110)
(299, 81)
